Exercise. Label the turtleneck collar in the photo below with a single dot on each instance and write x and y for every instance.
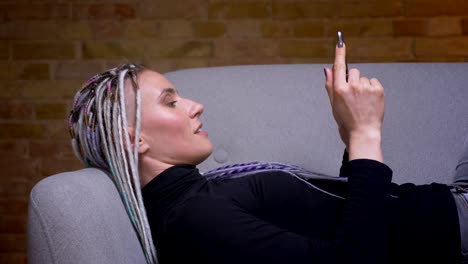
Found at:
(171, 185)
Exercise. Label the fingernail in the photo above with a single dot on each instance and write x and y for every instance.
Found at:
(325, 71)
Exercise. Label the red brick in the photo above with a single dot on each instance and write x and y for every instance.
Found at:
(309, 29)
(16, 148)
(32, 11)
(7, 71)
(51, 166)
(16, 110)
(465, 26)
(238, 10)
(188, 9)
(22, 130)
(12, 243)
(56, 148)
(441, 47)
(17, 258)
(104, 11)
(4, 50)
(305, 49)
(389, 8)
(13, 207)
(302, 9)
(58, 130)
(444, 26)
(8, 89)
(74, 30)
(43, 50)
(435, 8)
(246, 48)
(360, 27)
(410, 27)
(13, 224)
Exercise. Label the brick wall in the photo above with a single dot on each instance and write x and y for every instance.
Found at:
(48, 47)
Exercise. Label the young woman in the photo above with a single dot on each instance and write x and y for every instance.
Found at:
(131, 122)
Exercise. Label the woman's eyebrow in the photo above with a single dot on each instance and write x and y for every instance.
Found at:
(169, 90)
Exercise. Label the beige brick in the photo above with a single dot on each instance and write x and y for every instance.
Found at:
(176, 29)
(79, 70)
(309, 29)
(4, 50)
(50, 111)
(368, 27)
(140, 29)
(243, 29)
(166, 65)
(108, 29)
(208, 29)
(442, 47)
(444, 26)
(113, 50)
(435, 7)
(302, 9)
(76, 30)
(177, 48)
(17, 110)
(49, 89)
(276, 29)
(305, 49)
(410, 27)
(389, 8)
(32, 30)
(43, 50)
(379, 48)
(33, 71)
(238, 10)
(7, 71)
(33, 11)
(180, 9)
(22, 130)
(246, 48)
(117, 11)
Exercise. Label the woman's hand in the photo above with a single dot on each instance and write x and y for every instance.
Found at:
(358, 108)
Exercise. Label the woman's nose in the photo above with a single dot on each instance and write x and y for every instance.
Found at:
(196, 109)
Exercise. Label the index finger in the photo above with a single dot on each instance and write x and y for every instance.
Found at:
(339, 67)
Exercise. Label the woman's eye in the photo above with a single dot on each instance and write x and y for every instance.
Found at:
(172, 103)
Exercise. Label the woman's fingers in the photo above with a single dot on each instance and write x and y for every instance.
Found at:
(339, 68)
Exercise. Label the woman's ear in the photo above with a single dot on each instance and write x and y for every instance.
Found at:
(142, 144)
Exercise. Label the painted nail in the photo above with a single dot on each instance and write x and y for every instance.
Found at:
(325, 71)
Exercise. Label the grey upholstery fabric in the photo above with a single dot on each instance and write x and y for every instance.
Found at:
(78, 217)
(266, 113)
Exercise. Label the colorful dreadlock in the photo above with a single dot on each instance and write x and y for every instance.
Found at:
(99, 137)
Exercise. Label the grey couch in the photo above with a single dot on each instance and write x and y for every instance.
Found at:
(264, 113)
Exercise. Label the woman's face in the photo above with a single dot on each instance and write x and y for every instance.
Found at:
(170, 124)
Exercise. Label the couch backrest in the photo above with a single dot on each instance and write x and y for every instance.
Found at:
(282, 113)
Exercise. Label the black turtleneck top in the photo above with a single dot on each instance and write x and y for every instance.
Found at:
(273, 217)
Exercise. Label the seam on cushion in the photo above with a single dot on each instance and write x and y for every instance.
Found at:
(43, 227)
